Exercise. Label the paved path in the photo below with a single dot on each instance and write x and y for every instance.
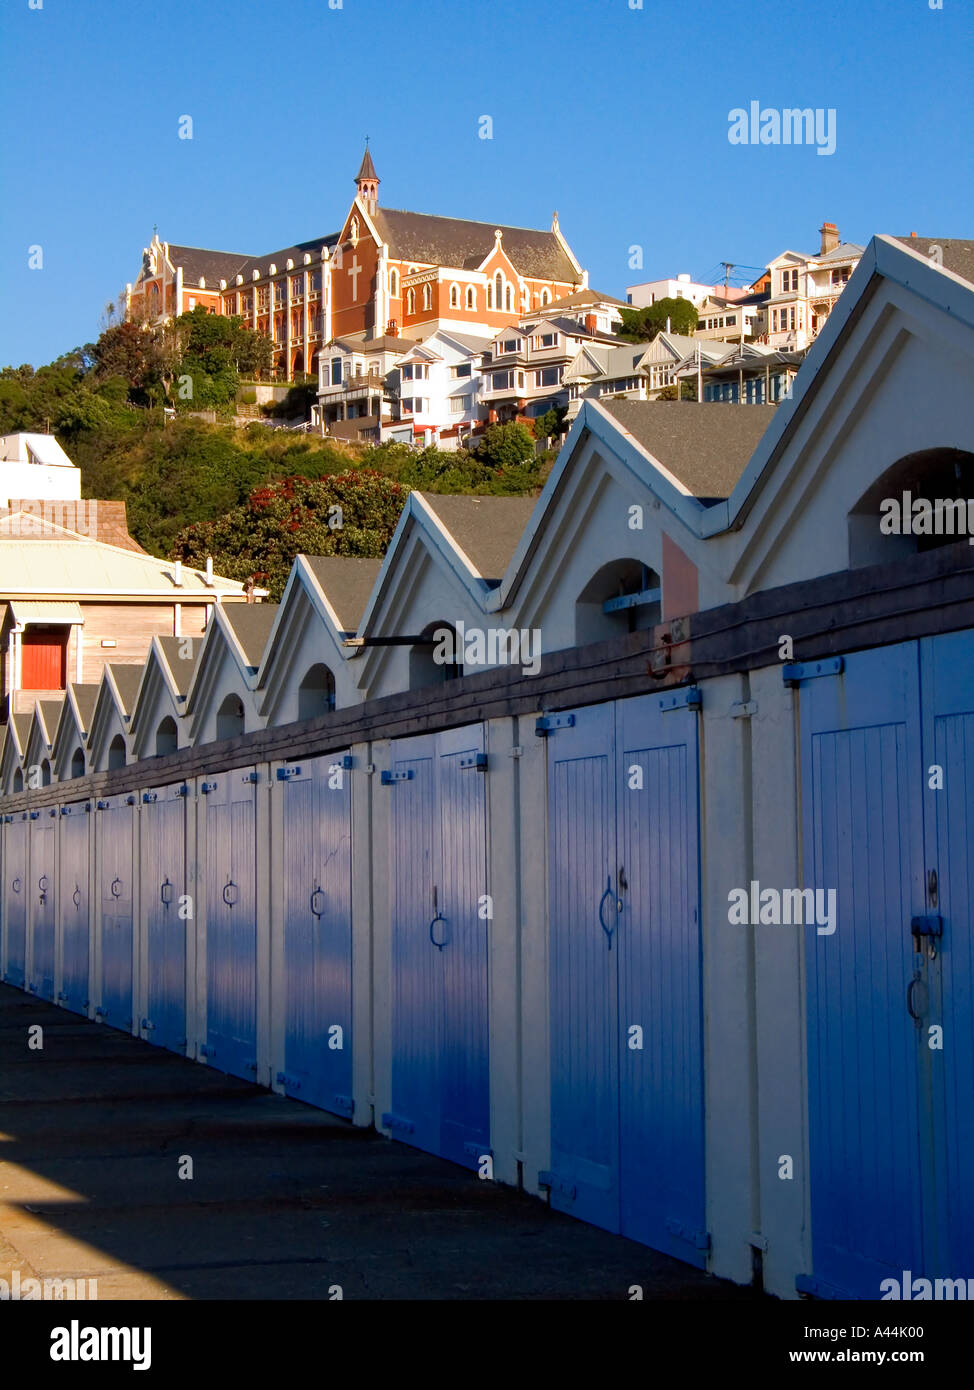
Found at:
(285, 1201)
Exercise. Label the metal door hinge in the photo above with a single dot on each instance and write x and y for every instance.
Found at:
(689, 697)
(548, 722)
(795, 671)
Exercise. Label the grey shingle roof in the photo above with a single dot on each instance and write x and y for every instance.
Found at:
(454, 241)
(347, 581)
(51, 710)
(581, 298)
(280, 259)
(958, 256)
(251, 624)
(486, 528)
(212, 266)
(180, 666)
(21, 723)
(127, 677)
(85, 698)
(707, 447)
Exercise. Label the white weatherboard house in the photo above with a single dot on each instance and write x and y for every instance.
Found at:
(491, 877)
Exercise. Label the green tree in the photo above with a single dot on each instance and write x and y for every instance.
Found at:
(642, 325)
(506, 446)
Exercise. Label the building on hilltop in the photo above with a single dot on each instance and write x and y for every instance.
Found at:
(386, 272)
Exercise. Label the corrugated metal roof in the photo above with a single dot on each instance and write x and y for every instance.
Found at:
(29, 611)
(75, 565)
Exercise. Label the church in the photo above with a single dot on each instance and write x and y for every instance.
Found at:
(387, 273)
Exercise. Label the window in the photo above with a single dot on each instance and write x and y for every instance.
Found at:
(407, 405)
(116, 753)
(490, 296)
(410, 301)
(471, 297)
(498, 290)
(545, 296)
(679, 294)
(458, 404)
(316, 693)
(731, 320)
(316, 282)
(628, 298)
(192, 303)
(548, 376)
(464, 369)
(394, 283)
(230, 718)
(789, 279)
(546, 340)
(78, 763)
(508, 299)
(454, 296)
(407, 371)
(427, 297)
(279, 293)
(520, 380)
(167, 739)
(510, 345)
(297, 287)
(336, 371)
(501, 381)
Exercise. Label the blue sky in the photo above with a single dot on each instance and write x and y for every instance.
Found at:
(617, 117)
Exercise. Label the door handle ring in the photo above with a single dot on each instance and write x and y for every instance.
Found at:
(438, 918)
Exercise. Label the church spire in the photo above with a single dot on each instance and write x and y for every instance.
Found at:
(367, 180)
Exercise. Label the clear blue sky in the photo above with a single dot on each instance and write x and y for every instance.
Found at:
(616, 117)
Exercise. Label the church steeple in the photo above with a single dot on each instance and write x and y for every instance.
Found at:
(367, 180)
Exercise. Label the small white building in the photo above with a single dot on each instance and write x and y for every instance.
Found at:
(35, 466)
(682, 287)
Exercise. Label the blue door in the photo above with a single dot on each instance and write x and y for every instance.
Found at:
(661, 1173)
(863, 837)
(318, 932)
(73, 872)
(627, 1107)
(947, 959)
(167, 914)
(15, 891)
(440, 1068)
(231, 923)
(116, 834)
(41, 905)
(583, 969)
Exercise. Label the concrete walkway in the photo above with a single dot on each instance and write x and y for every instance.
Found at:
(285, 1201)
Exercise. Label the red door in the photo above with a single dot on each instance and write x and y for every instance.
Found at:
(42, 665)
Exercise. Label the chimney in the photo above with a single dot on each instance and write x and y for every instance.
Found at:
(178, 575)
(209, 571)
(829, 233)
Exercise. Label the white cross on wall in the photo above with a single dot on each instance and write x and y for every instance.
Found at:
(354, 270)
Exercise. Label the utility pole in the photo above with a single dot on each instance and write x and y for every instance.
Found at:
(728, 267)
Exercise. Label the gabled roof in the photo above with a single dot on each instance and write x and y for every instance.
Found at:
(126, 678)
(487, 529)
(251, 624)
(705, 447)
(76, 711)
(178, 667)
(584, 298)
(346, 582)
(456, 242)
(955, 255)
